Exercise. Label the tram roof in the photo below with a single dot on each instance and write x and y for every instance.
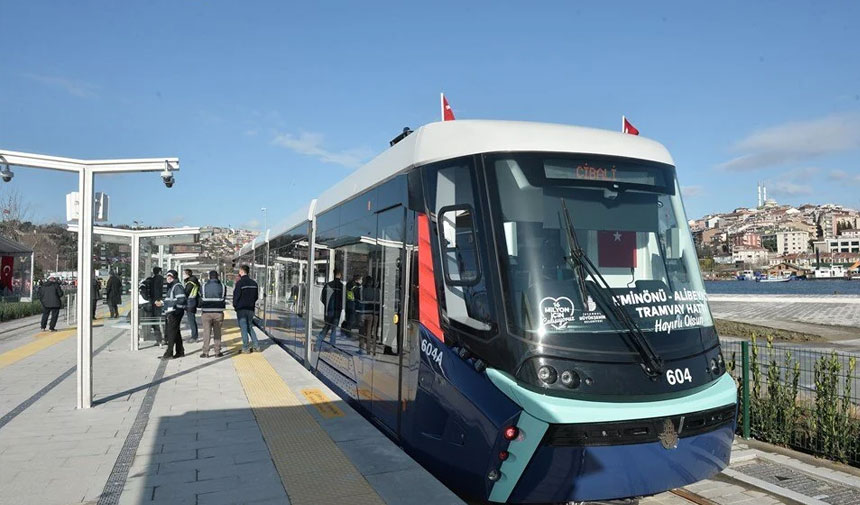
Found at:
(451, 139)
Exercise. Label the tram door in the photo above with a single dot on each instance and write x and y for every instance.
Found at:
(391, 272)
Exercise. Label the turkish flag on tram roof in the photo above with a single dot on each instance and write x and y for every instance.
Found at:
(627, 127)
(616, 249)
(447, 112)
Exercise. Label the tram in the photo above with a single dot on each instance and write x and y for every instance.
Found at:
(518, 305)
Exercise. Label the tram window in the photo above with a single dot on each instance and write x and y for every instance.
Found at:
(459, 251)
(451, 191)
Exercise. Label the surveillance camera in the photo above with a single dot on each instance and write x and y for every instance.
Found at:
(168, 179)
(6, 174)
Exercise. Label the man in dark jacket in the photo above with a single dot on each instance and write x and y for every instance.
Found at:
(174, 308)
(245, 294)
(113, 293)
(96, 293)
(212, 303)
(51, 295)
(332, 300)
(192, 291)
(154, 287)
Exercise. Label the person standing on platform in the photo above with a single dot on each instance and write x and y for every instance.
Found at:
(192, 291)
(174, 308)
(51, 295)
(332, 300)
(213, 296)
(96, 294)
(113, 293)
(352, 289)
(245, 294)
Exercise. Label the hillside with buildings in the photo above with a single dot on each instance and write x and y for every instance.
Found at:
(779, 239)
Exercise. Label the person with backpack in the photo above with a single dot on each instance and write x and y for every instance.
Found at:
(213, 297)
(50, 294)
(192, 291)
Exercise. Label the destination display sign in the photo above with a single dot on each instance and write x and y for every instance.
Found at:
(609, 171)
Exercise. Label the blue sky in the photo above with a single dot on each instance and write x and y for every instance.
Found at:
(268, 103)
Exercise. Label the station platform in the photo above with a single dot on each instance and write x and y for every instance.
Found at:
(254, 428)
(243, 428)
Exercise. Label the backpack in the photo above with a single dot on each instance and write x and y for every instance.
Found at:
(145, 289)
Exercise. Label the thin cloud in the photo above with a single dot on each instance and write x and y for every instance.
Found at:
(692, 191)
(795, 142)
(311, 144)
(73, 87)
(788, 188)
(843, 176)
(253, 224)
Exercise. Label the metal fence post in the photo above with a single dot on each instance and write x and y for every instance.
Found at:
(745, 385)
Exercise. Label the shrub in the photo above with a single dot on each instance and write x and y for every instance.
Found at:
(17, 310)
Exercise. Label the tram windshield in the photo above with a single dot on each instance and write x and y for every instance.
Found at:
(624, 215)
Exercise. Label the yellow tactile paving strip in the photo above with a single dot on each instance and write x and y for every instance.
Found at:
(313, 469)
(43, 340)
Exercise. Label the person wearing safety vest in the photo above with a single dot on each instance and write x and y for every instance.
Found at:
(174, 308)
(192, 291)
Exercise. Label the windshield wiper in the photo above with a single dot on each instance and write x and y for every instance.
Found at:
(652, 364)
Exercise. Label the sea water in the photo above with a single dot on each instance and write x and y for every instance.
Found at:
(819, 287)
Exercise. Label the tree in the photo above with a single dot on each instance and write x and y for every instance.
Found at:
(14, 213)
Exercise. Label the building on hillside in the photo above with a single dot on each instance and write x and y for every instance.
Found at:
(746, 240)
(751, 255)
(842, 244)
(784, 269)
(788, 241)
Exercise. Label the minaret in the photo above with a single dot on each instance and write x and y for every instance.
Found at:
(758, 186)
(764, 193)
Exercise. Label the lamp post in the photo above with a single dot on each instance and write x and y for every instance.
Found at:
(265, 219)
(86, 170)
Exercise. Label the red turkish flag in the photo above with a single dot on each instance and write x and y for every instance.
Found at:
(628, 128)
(7, 265)
(447, 112)
(616, 249)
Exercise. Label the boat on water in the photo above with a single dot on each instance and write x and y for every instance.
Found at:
(747, 275)
(773, 279)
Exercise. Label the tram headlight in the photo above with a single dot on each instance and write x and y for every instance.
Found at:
(547, 374)
(570, 379)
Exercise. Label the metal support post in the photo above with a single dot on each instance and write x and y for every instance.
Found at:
(85, 287)
(32, 274)
(309, 313)
(132, 295)
(161, 257)
(745, 386)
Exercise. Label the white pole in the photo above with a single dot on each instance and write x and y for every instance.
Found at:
(133, 296)
(32, 274)
(85, 287)
(623, 121)
(309, 313)
(442, 105)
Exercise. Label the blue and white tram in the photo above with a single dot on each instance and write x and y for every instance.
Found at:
(521, 309)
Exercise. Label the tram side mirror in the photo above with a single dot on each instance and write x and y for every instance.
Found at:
(673, 243)
(457, 238)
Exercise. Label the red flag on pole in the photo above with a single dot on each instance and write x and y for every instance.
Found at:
(626, 127)
(447, 112)
(616, 249)
(8, 264)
